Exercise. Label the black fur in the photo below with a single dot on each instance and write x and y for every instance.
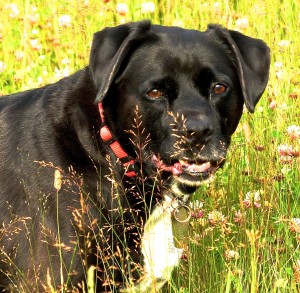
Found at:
(46, 233)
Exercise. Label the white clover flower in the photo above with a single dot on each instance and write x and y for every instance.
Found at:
(216, 217)
(196, 204)
(178, 22)
(293, 131)
(287, 150)
(295, 225)
(64, 20)
(35, 32)
(19, 55)
(217, 7)
(148, 7)
(122, 9)
(242, 23)
(278, 65)
(13, 10)
(252, 197)
(284, 43)
(65, 61)
(231, 254)
(2, 66)
(35, 44)
(61, 73)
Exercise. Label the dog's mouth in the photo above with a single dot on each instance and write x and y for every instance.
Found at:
(188, 172)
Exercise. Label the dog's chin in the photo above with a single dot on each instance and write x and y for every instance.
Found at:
(193, 180)
(184, 184)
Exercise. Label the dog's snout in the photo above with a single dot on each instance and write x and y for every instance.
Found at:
(198, 131)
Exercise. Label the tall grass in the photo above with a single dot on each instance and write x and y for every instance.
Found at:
(246, 226)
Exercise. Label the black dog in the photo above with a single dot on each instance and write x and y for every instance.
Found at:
(146, 122)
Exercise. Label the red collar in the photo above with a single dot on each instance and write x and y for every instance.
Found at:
(115, 146)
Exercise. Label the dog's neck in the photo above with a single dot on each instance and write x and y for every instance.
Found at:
(106, 136)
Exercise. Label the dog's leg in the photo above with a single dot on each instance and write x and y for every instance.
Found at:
(159, 252)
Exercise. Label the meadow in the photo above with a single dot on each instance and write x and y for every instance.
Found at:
(246, 224)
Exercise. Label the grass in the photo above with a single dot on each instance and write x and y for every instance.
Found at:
(246, 231)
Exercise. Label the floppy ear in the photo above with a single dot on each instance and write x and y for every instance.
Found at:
(109, 48)
(252, 59)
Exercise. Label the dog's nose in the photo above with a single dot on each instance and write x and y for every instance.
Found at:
(198, 131)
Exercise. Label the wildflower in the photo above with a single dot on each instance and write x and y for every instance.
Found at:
(55, 42)
(177, 22)
(285, 169)
(40, 81)
(33, 18)
(19, 55)
(280, 74)
(122, 9)
(34, 9)
(60, 73)
(278, 65)
(13, 9)
(231, 255)
(273, 105)
(284, 44)
(2, 66)
(252, 198)
(281, 283)
(267, 204)
(253, 235)
(242, 23)
(296, 269)
(64, 20)
(148, 7)
(35, 44)
(217, 7)
(65, 61)
(287, 150)
(35, 32)
(238, 217)
(216, 217)
(294, 95)
(196, 204)
(293, 131)
(197, 213)
(295, 225)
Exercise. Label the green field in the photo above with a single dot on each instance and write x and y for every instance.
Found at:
(246, 228)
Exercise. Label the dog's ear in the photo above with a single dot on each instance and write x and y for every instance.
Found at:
(252, 59)
(109, 49)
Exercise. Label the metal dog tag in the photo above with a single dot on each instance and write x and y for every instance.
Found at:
(180, 225)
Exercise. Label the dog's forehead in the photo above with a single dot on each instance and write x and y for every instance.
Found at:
(186, 39)
(178, 49)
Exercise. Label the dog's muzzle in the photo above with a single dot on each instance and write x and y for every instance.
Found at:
(190, 174)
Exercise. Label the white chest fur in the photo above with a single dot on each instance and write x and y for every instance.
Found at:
(160, 254)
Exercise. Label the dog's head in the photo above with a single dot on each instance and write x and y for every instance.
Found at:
(189, 88)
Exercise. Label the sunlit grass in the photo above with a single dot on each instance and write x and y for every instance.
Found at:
(240, 242)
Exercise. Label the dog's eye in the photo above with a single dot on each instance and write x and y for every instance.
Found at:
(155, 94)
(219, 88)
